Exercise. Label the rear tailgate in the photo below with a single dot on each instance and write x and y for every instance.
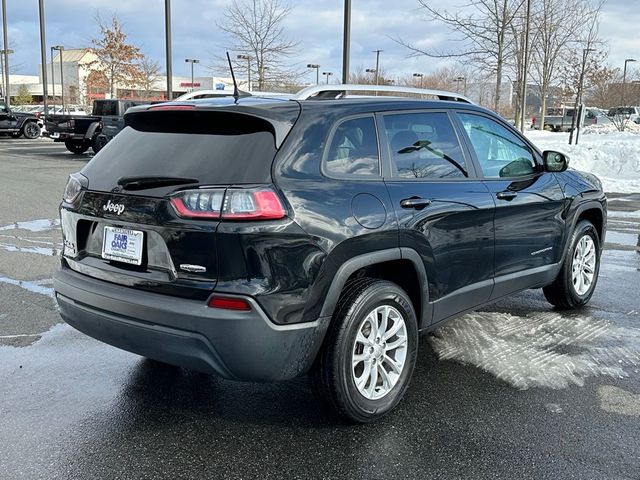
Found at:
(178, 256)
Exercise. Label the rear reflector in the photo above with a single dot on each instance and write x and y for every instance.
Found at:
(229, 303)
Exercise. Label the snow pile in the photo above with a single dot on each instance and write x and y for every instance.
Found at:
(543, 349)
(614, 157)
(607, 128)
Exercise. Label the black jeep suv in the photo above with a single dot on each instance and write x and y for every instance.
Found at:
(261, 238)
(18, 123)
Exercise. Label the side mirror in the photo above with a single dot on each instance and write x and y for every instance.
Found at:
(555, 161)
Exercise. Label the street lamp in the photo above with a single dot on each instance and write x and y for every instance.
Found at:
(167, 48)
(60, 48)
(317, 67)
(624, 79)
(192, 61)
(53, 81)
(458, 81)
(5, 87)
(346, 42)
(421, 76)
(248, 59)
(5, 42)
(373, 70)
(327, 74)
(377, 52)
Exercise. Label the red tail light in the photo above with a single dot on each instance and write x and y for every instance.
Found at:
(229, 303)
(235, 204)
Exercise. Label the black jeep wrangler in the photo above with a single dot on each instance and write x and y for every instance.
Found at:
(18, 123)
(261, 239)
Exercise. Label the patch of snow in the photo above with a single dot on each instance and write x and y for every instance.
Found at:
(621, 214)
(41, 225)
(539, 350)
(29, 286)
(614, 158)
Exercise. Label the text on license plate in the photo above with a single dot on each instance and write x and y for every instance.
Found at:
(122, 245)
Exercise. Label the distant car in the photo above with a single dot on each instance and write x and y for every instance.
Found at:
(561, 119)
(18, 124)
(80, 131)
(264, 238)
(203, 94)
(630, 113)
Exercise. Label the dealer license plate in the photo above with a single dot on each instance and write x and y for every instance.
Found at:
(122, 245)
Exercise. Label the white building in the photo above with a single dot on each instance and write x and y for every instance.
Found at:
(83, 82)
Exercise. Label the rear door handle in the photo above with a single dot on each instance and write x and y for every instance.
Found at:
(416, 203)
(506, 195)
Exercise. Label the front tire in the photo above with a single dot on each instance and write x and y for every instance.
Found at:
(574, 285)
(31, 130)
(76, 147)
(367, 360)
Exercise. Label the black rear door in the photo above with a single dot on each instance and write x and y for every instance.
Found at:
(444, 212)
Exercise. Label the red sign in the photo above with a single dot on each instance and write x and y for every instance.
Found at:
(189, 84)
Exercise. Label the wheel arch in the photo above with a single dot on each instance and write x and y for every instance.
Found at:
(402, 266)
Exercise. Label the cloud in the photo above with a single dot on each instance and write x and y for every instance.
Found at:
(317, 25)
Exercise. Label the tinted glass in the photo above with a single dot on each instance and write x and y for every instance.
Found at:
(424, 145)
(239, 150)
(500, 152)
(105, 108)
(354, 149)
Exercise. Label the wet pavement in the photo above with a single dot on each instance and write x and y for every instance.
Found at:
(526, 392)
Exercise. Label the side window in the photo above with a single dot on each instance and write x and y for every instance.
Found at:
(424, 145)
(353, 150)
(500, 152)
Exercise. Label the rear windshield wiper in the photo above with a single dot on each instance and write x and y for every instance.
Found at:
(144, 182)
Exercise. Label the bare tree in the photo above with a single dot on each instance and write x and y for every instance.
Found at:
(149, 73)
(557, 24)
(117, 59)
(484, 29)
(256, 30)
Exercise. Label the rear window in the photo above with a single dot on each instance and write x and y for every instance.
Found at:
(213, 148)
(105, 108)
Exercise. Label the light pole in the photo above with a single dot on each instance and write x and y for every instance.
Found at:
(248, 59)
(346, 42)
(43, 57)
(5, 87)
(5, 42)
(167, 47)
(624, 79)
(317, 67)
(192, 61)
(421, 76)
(525, 68)
(575, 124)
(60, 48)
(459, 80)
(53, 81)
(377, 52)
(327, 74)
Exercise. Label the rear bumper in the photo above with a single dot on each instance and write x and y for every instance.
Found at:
(187, 333)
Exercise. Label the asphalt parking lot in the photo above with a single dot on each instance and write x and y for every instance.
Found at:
(515, 391)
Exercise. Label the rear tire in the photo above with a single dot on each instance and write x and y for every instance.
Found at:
(363, 370)
(99, 141)
(577, 279)
(77, 147)
(31, 130)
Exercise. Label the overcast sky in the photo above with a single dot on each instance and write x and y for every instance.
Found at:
(316, 24)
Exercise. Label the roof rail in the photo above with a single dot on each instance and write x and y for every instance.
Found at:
(332, 92)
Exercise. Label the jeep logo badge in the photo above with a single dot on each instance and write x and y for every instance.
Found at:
(118, 208)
